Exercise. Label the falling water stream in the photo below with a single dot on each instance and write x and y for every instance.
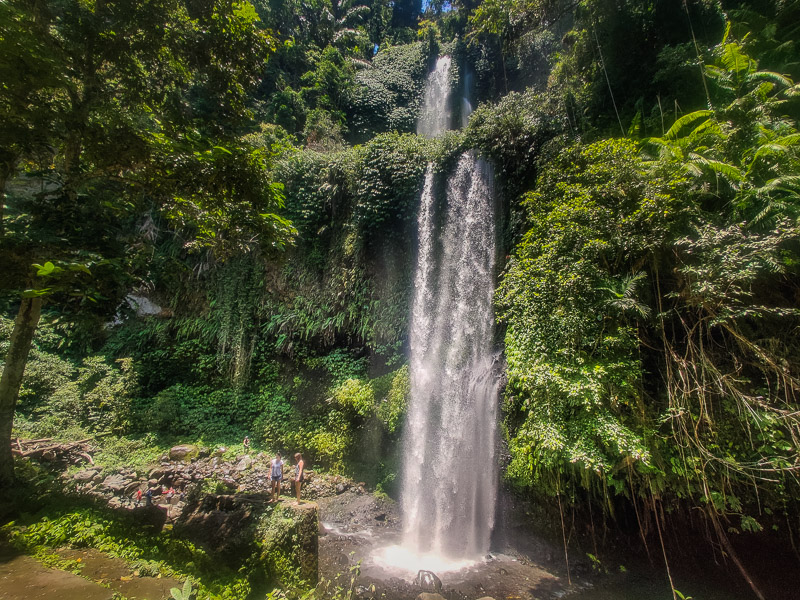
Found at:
(449, 469)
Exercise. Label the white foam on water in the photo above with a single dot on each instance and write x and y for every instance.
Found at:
(405, 561)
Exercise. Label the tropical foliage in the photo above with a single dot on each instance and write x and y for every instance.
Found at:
(248, 172)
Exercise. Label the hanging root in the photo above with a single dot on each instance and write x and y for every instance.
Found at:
(564, 536)
(663, 549)
(732, 553)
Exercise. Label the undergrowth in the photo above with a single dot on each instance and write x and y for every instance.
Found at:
(120, 537)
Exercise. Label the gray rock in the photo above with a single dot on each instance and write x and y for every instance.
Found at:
(115, 483)
(85, 475)
(133, 486)
(245, 463)
(428, 596)
(184, 452)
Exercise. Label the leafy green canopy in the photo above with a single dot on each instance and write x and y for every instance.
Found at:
(141, 113)
(649, 308)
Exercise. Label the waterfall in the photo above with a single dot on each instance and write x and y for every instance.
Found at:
(435, 116)
(449, 471)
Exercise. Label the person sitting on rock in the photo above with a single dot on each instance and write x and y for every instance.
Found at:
(299, 474)
(276, 476)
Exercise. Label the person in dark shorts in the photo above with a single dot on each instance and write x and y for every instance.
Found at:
(299, 476)
(276, 476)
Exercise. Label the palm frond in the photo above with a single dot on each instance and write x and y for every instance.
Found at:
(686, 120)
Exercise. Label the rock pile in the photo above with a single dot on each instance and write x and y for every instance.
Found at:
(189, 467)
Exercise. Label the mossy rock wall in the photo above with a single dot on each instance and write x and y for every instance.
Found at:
(289, 536)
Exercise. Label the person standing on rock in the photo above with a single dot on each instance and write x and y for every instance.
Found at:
(276, 476)
(299, 474)
(246, 443)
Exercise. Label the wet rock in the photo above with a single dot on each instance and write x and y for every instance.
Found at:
(115, 483)
(428, 581)
(184, 452)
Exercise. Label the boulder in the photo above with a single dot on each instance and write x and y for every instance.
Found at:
(115, 483)
(245, 463)
(185, 452)
(291, 538)
(133, 486)
(85, 475)
(428, 581)
(429, 596)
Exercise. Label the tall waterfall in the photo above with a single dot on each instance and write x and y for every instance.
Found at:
(449, 470)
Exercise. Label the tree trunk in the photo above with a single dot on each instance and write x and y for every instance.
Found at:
(21, 338)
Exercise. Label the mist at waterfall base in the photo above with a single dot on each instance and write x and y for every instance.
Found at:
(449, 475)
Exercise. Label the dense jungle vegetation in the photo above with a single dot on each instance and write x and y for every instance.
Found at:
(251, 170)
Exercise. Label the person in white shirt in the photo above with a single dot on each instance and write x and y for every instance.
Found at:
(276, 475)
